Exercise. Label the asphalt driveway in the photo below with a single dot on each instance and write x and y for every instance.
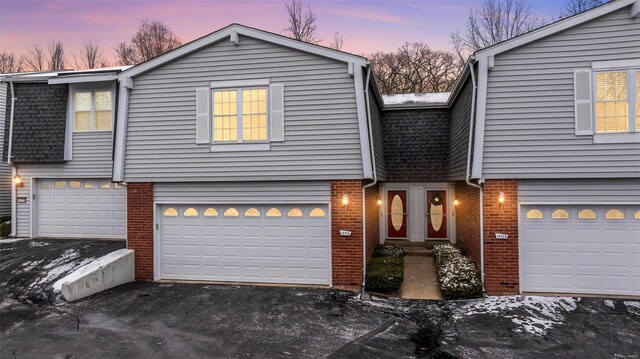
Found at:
(163, 320)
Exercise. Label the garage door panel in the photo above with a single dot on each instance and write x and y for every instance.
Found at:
(580, 254)
(249, 247)
(75, 208)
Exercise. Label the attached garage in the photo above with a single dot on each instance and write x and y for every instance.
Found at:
(582, 249)
(80, 208)
(244, 243)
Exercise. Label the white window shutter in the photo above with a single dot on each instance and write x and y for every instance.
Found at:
(276, 109)
(583, 102)
(203, 132)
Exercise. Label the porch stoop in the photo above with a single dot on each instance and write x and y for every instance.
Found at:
(420, 280)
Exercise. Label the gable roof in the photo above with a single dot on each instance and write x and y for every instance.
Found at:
(558, 26)
(231, 32)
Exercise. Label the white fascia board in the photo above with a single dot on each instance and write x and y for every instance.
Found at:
(481, 107)
(121, 124)
(249, 32)
(554, 28)
(82, 79)
(363, 126)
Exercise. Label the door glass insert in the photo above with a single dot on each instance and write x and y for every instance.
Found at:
(436, 214)
(397, 214)
(587, 214)
(535, 214)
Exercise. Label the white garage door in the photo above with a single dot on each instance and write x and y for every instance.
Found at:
(245, 243)
(580, 249)
(81, 209)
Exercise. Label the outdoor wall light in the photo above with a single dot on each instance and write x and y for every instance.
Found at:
(456, 202)
(379, 202)
(501, 198)
(345, 200)
(17, 180)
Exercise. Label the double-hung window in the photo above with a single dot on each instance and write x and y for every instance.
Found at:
(92, 110)
(617, 101)
(239, 115)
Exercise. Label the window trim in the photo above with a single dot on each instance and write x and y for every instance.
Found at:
(239, 144)
(632, 134)
(93, 90)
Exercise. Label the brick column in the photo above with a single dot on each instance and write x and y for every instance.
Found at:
(467, 215)
(346, 252)
(140, 228)
(501, 256)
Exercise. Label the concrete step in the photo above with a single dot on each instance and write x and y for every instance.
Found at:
(417, 252)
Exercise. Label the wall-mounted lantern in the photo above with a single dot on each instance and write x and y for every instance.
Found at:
(345, 200)
(501, 198)
(379, 202)
(17, 180)
(456, 202)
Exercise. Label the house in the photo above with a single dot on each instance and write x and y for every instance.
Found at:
(245, 156)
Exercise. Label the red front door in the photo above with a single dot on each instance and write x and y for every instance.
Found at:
(436, 214)
(397, 214)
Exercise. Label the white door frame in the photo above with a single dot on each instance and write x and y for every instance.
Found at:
(449, 189)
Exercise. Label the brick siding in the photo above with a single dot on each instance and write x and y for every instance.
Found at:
(501, 256)
(346, 252)
(140, 228)
(372, 218)
(467, 216)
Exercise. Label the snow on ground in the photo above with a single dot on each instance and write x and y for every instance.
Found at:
(633, 307)
(38, 244)
(12, 240)
(88, 267)
(531, 314)
(68, 260)
(416, 98)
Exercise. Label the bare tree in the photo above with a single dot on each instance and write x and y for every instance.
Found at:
(415, 68)
(90, 56)
(496, 21)
(337, 42)
(9, 63)
(302, 23)
(152, 39)
(56, 55)
(573, 7)
(34, 59)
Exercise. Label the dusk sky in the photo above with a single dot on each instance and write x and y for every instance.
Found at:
(367, 26)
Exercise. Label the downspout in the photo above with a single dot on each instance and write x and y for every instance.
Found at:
(468, 175)
(364, 188)
(10, 163)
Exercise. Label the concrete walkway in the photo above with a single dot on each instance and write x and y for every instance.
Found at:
(420, 281)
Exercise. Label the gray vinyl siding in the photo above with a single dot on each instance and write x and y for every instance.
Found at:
(621, 190)
(459, 133)
(243, 192)
(5, 169)
(321, 126)
(92, 158)
(529, 128)
(378, 140)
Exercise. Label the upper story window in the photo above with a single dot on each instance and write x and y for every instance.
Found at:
(240, 115)
(617, 101)
(92, 110)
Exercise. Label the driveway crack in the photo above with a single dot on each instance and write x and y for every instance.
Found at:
(351, 346)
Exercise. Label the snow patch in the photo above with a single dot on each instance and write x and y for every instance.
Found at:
(416, 98)
(38, 244)
(88, 266)
(12, 240)
(531, 314)
(30, 265)
(609, 303)
(633, 307)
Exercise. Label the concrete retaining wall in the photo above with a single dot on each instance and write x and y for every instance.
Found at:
(112, 270)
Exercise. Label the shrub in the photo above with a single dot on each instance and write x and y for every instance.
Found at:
(5, 219)
(457, 274)
(388, 251)
(384, 275)
(5, 229)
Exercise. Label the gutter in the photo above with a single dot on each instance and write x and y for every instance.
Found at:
(10, 163)
(468, 174)
(364, 188)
